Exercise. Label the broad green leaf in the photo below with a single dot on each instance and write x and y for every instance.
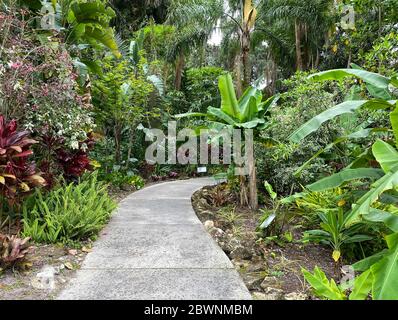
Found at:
(218, 113)
(394, 123)
(356, 135)
(322, 286)
(249, 110)
(365, 264)
(190, 114)
(267, 104)
(385, 272)
(388, 218)
(229, 103)
(315, 123)
(385, 154)
(246, 100)
(251, 124)
(362, 286)
(374, 79)
(362, 207)
(344, 176)
(343, 108)
(104, 36)
(270, 190)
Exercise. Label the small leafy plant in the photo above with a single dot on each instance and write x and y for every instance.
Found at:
(12, 250)
(68, 213)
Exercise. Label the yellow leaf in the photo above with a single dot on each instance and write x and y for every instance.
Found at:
(252, 18)
(335, 48)
(95, 164)
(336, 255)
(11, 176)
(341, 203)
(247, 8)
(2, 180)
(37, 179)
(24, 186)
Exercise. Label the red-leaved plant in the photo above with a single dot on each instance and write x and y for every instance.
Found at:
(17, 174)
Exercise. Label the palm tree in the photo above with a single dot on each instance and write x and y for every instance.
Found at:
(310, 20)
(195, 21)
(200, 17)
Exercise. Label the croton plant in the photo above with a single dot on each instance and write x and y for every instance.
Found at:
(18, 175)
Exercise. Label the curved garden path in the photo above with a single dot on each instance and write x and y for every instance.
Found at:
(156, 248)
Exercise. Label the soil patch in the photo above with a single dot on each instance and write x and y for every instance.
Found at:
(270, 270)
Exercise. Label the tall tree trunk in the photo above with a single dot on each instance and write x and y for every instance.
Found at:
(238, 76)
(299, 57)
(253, 196)
(179, 68)
(245, 51)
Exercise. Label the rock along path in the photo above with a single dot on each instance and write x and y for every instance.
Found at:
(156, 248)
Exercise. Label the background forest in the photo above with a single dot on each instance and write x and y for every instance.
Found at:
(82, 80)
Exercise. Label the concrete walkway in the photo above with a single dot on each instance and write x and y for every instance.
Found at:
(156, 248)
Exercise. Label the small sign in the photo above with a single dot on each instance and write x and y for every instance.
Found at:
(202, 169)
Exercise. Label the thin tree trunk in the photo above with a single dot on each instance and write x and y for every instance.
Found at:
(238, 77)
(130, 149)
(179, 67)
(245, 51)
(299, 58)
(252, 179)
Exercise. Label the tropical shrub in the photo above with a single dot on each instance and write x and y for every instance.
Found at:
(18, 175)
(379, 271)
(247, 112)
(278, 159)
(201, 88)
(12, 251)
(73, 212)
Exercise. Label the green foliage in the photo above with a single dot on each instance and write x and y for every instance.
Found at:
(247, 113)
(89, 22)
(323, 288)
(68, 213)
(278, 159)
(334, 233)
(120, 179)
(201, 87)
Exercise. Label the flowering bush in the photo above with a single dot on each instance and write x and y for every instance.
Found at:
(38, 84)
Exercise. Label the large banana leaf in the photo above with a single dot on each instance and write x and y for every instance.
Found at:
(388, 218)
(248, 108)
(342, 108)
(385, 272)
(363, 205)
(394, 123)
(229, 103)
(344, 176)
(362, 286)
(371, 78)
(218, 113)
(322, 286)
(385, 154)
(363, 133)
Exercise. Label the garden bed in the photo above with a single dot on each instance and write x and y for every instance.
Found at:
(46, 271)
(270, 271)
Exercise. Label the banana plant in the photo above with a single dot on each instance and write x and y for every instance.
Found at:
(246, 113)
(379, 272)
